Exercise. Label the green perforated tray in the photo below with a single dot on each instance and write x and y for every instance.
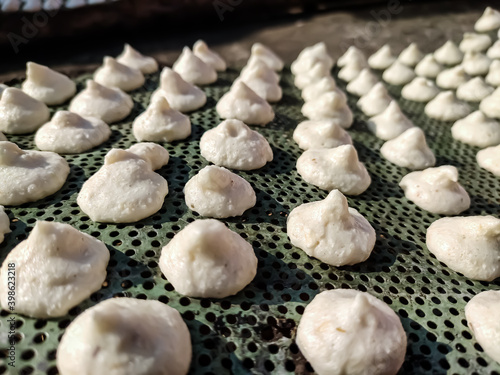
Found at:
(253, 332)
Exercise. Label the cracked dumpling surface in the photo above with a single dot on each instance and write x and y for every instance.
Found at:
(28, 176)
(232, 144)
(126, 336)
(334, 168)
(347, 332)
(436, 190)
(320, 134)
(69, 133)
(126, 189)
(4, 224)
(206, 259)
(57, 267)
(489, 159)
(217, 192)
(331, 231)
(483, 318)
(469, 245)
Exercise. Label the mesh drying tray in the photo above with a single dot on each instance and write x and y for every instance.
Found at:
(254, 331)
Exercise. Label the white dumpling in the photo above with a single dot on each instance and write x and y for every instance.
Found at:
(483, 314)
(320, 134)
(489, 21)
(232, 144)
(70, 133)
(47, 85)
(28, 176)
(57, 267)
(212, 58)
(489, 159)
(20, 113)
(108, 104)
(493, 76)
(375, 101)
(411, 55)
(208, 260)
(192, 69)
(329, 106)
(448, 54)
(476, 63)
(382, 59)
(318, 88)
(363, 83)
(319, 70)
(352, 69)
(309, 56)
(446, 107)
(262, 53)
(217, 192)
(420, 90)
(242, 103)
(334, 168)
(436, 190)
(181, 95)
(428, 67)
(263, 81)
(389, 124)
(398, 74)
(126, 336)
(161, 123)
(451, 78)
(116, 75)
(468, 245)
(347, 332)
(4, 224)
(409, 150)
(473, 42)
(494, 51)
(489, 105)
(331, 231)
(134, 59)
(477, 130)
(126, 189)
(474, 90)
(351, 54)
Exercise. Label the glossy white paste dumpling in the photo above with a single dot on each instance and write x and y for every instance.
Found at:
(331, 231)
(126, 189)
(352, 69)
(319, 70)
(411, 55)
(263, 81)
(489, 21)
(57, 267)
(420, 90)
(161, 123)
(382, 59)
(262, 53)
(331, 106)
(217, 192)
(28, 176)
(334, 168)
(192, 69)
(209, 57)
(489, 159)
(208, 260)
(363, 83)
(474, 90)
(428, 67)
(473, 42)
(436, 190)
(490, 105)
(446, 107)
(398, 74)
(448, 54)
(108, 104)
(181, 95)
(4, 224)
(352, 54)
(347, 332)
(476, 63)
(452, 78)
(134, 59)
(20, 113)
(477, 130)
(320, 134)
(242, 103)
(389, 124)
(375, 101)
(47, 85)
(116, 75)
(469, 245)
(318, 88)
(126, 336)
(483, 316)
(309, 56)
(70, 133)
(409, 150)
(232, 144)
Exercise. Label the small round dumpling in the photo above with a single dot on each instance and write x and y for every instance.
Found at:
(334, 168)
(193, 70)
(363, 83)
(126, 336)
(450, 79)
(448, 54)
(28, 176)
(420, 90)
(312, 54)
(135, 60)
(217, 192)
(126, 189)
(201, 50)
(375, 101)
(161, 123)
(263, 81)
(436, 190)
(468, 245)
(4, 224)
(489, 21)
(474, 90)
(116, 75)
(329, 106)
(389, 124)
(477, 130)
(398, 74)
(208, 260)
(483, 316)
(318, 88)
(473, 42)
(352, 69)
(446, 107)
(234, 145)
(411, 55)
(69, 133)
(262, 53)
(320, 134)
(382, 59)
(57, 267)
(428, 67)
(489, 159)
(331, 231)
(108, 104)
(476, 63)
(347, 332)
(20, 113)
(47, 85)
